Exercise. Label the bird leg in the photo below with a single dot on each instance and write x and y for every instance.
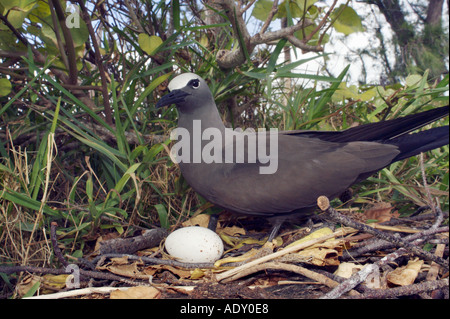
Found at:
(212, 224)
(277, 222)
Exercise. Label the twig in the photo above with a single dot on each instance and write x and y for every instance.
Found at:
(425, 184)
(228, 59)
(248, 6)
(288, 267)
(305, 47)
(86, 273)
(149, 238)
(361, 276)
(234, 271)
(270, 16)
(56, 248)
(350, 283)
(407, 290)
(324, 205)
(153, 260)
(320, 25)
(79, 292)
(99, 63)
(380, 244)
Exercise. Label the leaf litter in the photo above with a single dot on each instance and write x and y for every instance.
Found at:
(251, 268)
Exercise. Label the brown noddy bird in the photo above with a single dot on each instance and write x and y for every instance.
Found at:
(278, 175)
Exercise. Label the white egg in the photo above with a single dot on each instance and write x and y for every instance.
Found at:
(194, 245)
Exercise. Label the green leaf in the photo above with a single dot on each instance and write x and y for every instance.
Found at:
(42, 10)
(302, 4)
(78, 30)
(126, 176)
(288, 67)
(163, 215)
(90, 188)
(347, 20)
(176, 14)
(32, 290)
(25, 201)
(413, 80)
(16, 11)
(262, 9)
(148, 90)
(149, 44)
(289, 9)
(5, 87)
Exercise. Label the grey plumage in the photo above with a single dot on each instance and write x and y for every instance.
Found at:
(309, 163)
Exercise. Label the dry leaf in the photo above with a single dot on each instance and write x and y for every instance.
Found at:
(381, 212)
(346, 270)
(182, 273)
(197, 274)
(27, 282)
(54, 282)
(252, 252)
(320, 256)
(139, 292)
(122, 267)
(201, 220)
(232, 231)
(405, 275)
(317, 234)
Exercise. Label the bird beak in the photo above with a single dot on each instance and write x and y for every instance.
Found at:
(174, 97)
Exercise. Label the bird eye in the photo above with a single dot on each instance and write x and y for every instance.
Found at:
(195, 83)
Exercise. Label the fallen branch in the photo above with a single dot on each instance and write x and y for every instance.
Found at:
(292, 268)
(406, 246)
(79, 292)
(380, 244)
(150, 238)
(60, 271)
(324, 205)
(362, 275)
(154, 261)
(407, 290)
(339, 233)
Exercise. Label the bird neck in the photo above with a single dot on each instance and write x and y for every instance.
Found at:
(207, 114)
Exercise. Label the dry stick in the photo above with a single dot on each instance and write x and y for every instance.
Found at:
(150, 238)
(382, 244)
(407, 290)
(292, 268)
(272, 12)
(153, 260)
(324, 205)
(361, 276)
(79, 292)
(86, 273)
(56, 248)
(434, 269)
(433, 272)
(234, 271)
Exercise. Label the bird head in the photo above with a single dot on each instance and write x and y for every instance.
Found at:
(187, 91)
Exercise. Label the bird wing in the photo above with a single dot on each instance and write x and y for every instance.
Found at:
(306, 169)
